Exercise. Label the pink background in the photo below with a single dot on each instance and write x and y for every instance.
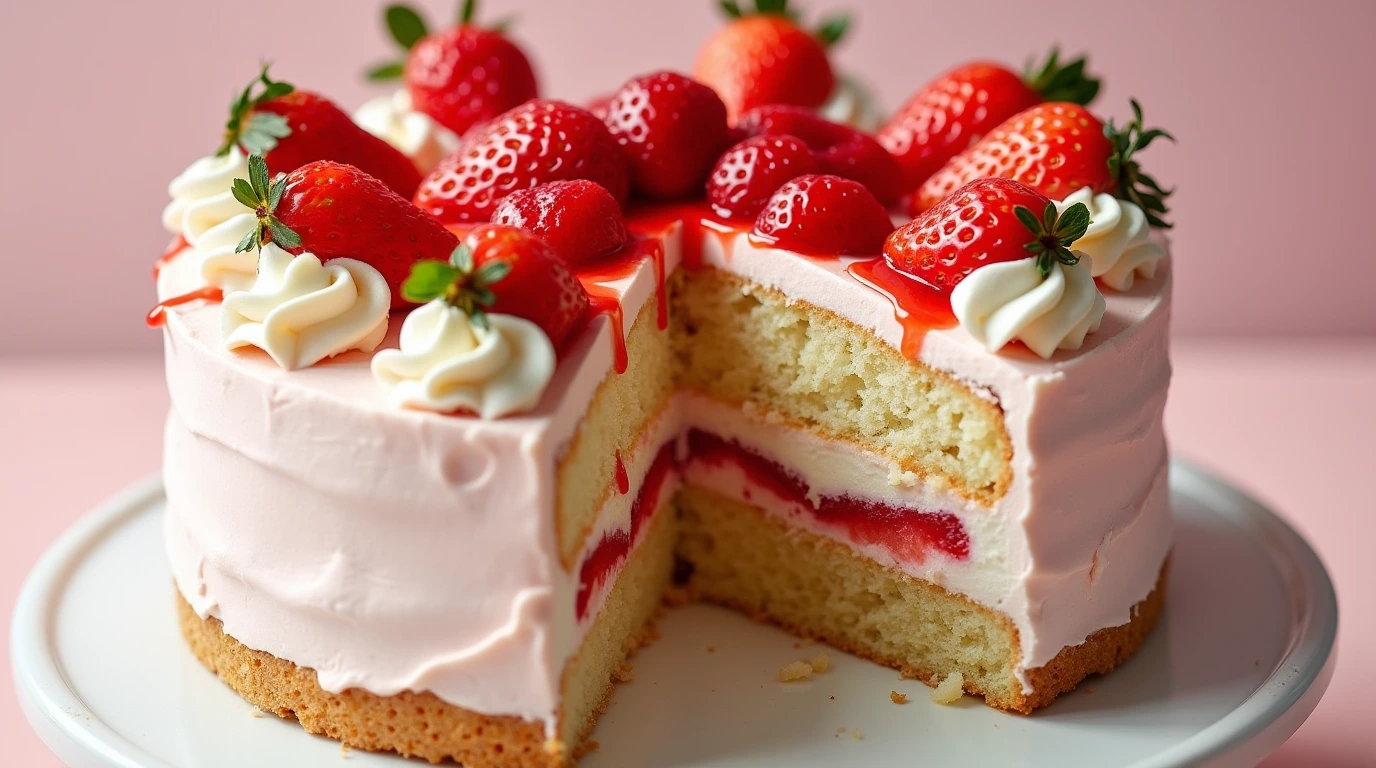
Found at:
(105, 102)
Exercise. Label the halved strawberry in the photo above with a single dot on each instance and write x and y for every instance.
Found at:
(955, 110)
(671, 128)
(840, 149)
(462, 75)
(747, 174)
(504, 270)
(985, 222)
(1056, 149)
(291, 128)
(335, 210)
(579, 219)
(535, 143)
(824, 216)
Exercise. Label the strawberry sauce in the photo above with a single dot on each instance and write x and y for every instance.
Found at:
(623, 483)
(158, 315)
(909, 534)
(615, 546)
(172, 250)
(916, 306)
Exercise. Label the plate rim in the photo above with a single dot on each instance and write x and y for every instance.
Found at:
(1257, 726)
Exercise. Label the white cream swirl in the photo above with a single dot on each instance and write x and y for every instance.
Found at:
(447, 364)
(1118, 239)
(851, 103)
(414, 134)
(998, 303)
(204, 212)
(300, 311)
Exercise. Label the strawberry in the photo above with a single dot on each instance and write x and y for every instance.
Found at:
(1057, 148)
(291, 128)
(334, 210)
(763, 57)
(840, 149)
(671, 128)
(537, 142)
(955, 110)
(578, 219)
(460, 76)
(508, 271)
(985, 222)
(824, 215)
(747, 174)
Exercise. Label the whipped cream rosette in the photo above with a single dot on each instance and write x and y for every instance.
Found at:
(205, 213)
(415, 134)
(1118, 239)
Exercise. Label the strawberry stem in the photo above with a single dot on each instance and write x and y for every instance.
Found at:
(1057, 81)
(1131, 183)
(1054, 233)
(256, 132)
(262, 197)
(457, 283)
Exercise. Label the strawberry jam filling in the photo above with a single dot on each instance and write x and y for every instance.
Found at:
(611, 551)
(908, 534)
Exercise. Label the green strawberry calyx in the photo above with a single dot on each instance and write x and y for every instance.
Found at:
(829, 32)
(1055, 80)
(1053, 234)
(456, 283)
(256, 131)
(1132, 184)
(262, 196)
(407, 27)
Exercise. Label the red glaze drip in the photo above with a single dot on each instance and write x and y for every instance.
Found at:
(909, 534)
(697, 218)
(599, 565)
(623, 483)
(172, 250)
(157, 316)
(625, 262)
(605, 301)
(917, 307)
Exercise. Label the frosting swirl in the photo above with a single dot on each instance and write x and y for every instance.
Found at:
(447, 364)
(1009, 300)
(414, 134)
(851, 103)
(1118, 239)
(201, 197)
(300, 311)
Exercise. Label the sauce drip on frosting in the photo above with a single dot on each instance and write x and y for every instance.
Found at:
(177, 246)
(917, 307)
(157, 316)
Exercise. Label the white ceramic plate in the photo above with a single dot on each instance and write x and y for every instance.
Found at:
(1240, 660)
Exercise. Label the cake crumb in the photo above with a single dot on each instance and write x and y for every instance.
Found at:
(833, 698)
(711, 649)
(343, 751)
(591, 746)
(855, 733)
(798, 670)
(624, 672)
(898, 698)
(840, 730)
(256, 712)
(677, 596)
(950, 689)
(820, 663)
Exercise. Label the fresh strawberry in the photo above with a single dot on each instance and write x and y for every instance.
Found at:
(763, 57)
(747, 174)
(955, 110)
(841, 150)
(460, 76)
(335, 210)
(671, 128)
(537, 142)
(1057, 148)
(985, 222)
(824, 215)
(504, 270)
(579, 219)
(291, 128)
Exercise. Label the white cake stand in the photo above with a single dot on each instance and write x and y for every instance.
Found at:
(1242, 657)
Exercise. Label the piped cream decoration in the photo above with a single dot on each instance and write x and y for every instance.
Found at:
(1009, 300)
(1118, 239)
(300, 311)
(205, 213)
(851, 103)
(414, 134)
(447, 364)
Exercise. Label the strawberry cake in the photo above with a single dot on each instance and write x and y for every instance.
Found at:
(466, 383)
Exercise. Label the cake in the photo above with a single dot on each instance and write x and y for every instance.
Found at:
(451, 418)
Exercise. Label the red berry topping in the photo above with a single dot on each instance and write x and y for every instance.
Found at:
(1057, 148)
(825, 216)
(985, 222)
(291, 128)
(957, 109)
(840, 149)
(749, 172)
(671, 128)
(460, 76)
(535, 143)
(765, 58)
(579, 219)
(335, 210)
(540, 286)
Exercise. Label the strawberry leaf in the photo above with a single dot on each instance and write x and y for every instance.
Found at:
(832, 30)
(382, 73)
(731, 8)
(462, 258)
(429, 280)
(467, 12)
(1132, 184)
(260, 134)
(261, 196)
(493, 272)
(249, 242)
(1056, 81)
(243, 192)
(405, 25)
(261, 129)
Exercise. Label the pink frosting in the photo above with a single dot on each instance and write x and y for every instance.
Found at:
(392, 549)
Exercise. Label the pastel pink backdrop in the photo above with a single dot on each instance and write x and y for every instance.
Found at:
(1270, 100)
